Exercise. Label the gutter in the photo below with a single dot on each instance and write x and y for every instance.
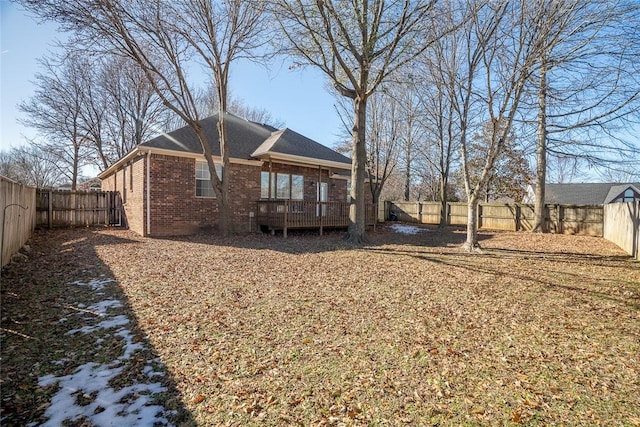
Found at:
(304, 161)
(148, 182)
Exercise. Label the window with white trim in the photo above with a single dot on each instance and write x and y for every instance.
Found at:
(283, 189)
(204, 188)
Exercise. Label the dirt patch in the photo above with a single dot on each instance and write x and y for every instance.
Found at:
(535, 329)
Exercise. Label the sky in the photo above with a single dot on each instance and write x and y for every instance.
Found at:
(298, 98)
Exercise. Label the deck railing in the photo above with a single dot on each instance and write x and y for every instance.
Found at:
(289, 214)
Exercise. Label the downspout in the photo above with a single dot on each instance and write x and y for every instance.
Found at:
(148, 179)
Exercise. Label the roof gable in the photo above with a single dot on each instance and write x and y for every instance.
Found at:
(290, 143)
(618, 190)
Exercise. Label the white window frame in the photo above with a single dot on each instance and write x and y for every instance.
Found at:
(294, 189)
(203, 175)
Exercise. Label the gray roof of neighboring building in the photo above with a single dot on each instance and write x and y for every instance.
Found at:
(585, 193)
(247, 140)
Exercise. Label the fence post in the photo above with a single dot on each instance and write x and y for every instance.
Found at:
(49, 209)
(559, 217)
(518, 211)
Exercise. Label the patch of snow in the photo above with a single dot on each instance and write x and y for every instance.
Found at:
(151, 372)
(102, 306)
(407, 229)
(130, 405)
(94, 284)
(86, 392)
(129, 347)
(111, 323)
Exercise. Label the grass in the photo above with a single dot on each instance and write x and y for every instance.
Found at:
(535, 330)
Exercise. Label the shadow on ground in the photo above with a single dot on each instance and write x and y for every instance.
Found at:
(310, 241)
(41, 304)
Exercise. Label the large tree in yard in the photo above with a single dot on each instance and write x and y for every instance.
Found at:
(587, 85)
(357, 45)
(496, 53)
(167, 40)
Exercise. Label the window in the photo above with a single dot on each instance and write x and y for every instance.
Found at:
(297, 187)
(283, 186)
(349, 190)
(203, 179)
(629, 196)
(264, 185)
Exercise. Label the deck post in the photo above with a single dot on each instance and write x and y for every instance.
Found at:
(284, 225)
(320, 212)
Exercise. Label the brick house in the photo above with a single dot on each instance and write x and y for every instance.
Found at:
(279, 179)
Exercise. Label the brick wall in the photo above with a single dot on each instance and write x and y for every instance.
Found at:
(128, 180)
(135, 191)
(175, 209)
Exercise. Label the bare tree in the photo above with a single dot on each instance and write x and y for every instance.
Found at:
(166, 39)
(357, 45)
(384, 130)
(493, 57)
(133, 112)
(56, 112)
(436, 80)
(31, 165)
(209, 105)
(587, 85)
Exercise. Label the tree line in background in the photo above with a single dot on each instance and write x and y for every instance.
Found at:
(440, 100)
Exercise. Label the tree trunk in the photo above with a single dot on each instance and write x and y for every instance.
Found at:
(224, 202)
(443, 202)
(356, 231)
(539, 224)
(76, 167)
(407, 173)
(471, 244)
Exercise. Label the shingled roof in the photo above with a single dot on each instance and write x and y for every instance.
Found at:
(247, 140)
(291, 143)
(595, 193)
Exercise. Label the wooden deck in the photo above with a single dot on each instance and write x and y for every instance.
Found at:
(291, 214)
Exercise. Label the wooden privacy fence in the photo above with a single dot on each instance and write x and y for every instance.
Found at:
(567, 219)
(18, 211)
(78, 208)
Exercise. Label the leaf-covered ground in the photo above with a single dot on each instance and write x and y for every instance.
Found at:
(535, 330)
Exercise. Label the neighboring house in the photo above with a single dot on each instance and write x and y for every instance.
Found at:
(276, 175)
(92, 184)
(586, 193)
